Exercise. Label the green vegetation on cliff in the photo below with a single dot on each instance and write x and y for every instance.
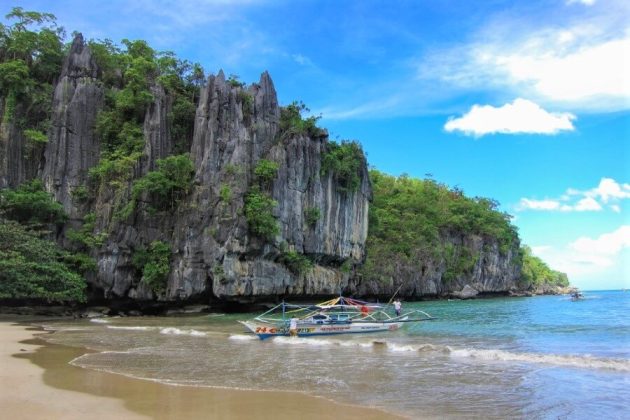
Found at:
(293, 124)
(31, 53)
(153, 262)
(536, 273)
(164, 187)
(119, 125)
(259, 213)
(30, 205)
(345, 161)
(411, 219)
(34, 268)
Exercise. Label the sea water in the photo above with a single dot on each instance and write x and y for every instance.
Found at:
(535, 357)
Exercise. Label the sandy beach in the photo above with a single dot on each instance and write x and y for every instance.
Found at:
(36, 382)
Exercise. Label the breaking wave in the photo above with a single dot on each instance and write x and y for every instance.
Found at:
(576, 361)
(486, 355)
(99, 320)
(177, 331)
(242, 337)
(137, 328)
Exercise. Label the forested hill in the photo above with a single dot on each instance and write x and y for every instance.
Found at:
(127, 174)
(428, 239)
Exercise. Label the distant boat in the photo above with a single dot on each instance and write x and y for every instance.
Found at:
(337, 316)
(577, 295)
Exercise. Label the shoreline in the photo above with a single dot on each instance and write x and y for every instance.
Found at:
(113, 308)
(37, 382)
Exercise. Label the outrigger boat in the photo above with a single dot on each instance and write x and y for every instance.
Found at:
(341, 315)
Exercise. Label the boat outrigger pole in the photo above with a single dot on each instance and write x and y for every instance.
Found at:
(395, 293)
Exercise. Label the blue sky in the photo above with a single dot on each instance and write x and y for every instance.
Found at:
(526, 102)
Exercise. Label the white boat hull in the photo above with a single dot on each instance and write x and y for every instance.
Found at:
(266, 330)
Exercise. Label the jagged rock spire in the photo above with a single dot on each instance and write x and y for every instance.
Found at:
(80, 62)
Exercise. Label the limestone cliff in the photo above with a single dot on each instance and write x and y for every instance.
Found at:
(213, 252)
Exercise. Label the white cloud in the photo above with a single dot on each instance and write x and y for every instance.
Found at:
(608, 192)
(591, 261)
(528, 204)
(301, 60)
(521, 116)
(365, 110)
(606, 246)
(587, 204)
(540, 250)
(578, 61)
(609, 189)
(588, 72)
(584, 2)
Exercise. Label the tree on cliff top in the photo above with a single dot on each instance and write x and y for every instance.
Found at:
(31, 54)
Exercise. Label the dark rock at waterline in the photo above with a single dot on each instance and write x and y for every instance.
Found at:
(467, 292)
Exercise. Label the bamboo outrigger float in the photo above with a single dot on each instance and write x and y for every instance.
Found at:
(336, 316)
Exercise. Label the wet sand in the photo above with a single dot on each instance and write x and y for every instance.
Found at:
(36, 382)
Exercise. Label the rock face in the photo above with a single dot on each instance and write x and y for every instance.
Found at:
(214, 252)
(492, 271)
(72, 146)
(20, 159)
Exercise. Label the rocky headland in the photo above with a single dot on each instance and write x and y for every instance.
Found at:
(249, 160)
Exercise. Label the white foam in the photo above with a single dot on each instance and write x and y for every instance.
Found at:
(587, 362)
(177, 331)
(300, 340)
(361, 344)
(131, 328)
(403, 348)
(100, 320)
(242, 337)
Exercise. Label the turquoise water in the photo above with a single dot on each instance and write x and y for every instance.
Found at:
(537, 357)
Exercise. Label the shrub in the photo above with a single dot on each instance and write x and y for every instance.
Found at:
(258, 212)
(292, 123)
(30, 204)
(33, 268)
(86, 236)
(233, 80)
(225, 193)
(80, 193)
(345, 161)
(266, 171)
(233, 170)
(247, 103)
(154, 263)
(166, 186)
(297, 263)
(312, 215)
(36, 136)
